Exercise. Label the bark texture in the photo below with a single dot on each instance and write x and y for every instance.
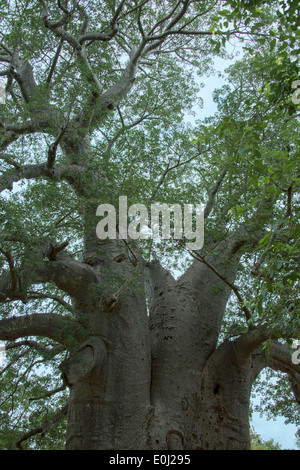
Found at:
(162, 386)
(157, 380)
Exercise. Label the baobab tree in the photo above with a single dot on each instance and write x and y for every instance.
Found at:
(96, 96)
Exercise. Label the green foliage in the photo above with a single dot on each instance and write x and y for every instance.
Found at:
(277, 399)
(25, 380)
(258, 143)
(257, 443)
(256, 135)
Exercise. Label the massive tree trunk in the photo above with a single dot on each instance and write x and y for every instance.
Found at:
(155, 378)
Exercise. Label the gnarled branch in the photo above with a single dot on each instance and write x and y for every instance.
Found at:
(49, 325)
(44, 427)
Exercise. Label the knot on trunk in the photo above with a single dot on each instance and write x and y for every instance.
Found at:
(90, 356)
(174, 439)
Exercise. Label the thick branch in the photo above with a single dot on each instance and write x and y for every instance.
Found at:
(277, 357)
(97, 36)
(53, 149)
(58, 173)
(50, 393)
(36, 345)
(49, 325)
(26, 172)
(253, 339)
(26, 128)
(226, 281)
(57, 27)
(14, 280)
(112, 97)
(211, 199)
(71, 276)
(40, 295)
